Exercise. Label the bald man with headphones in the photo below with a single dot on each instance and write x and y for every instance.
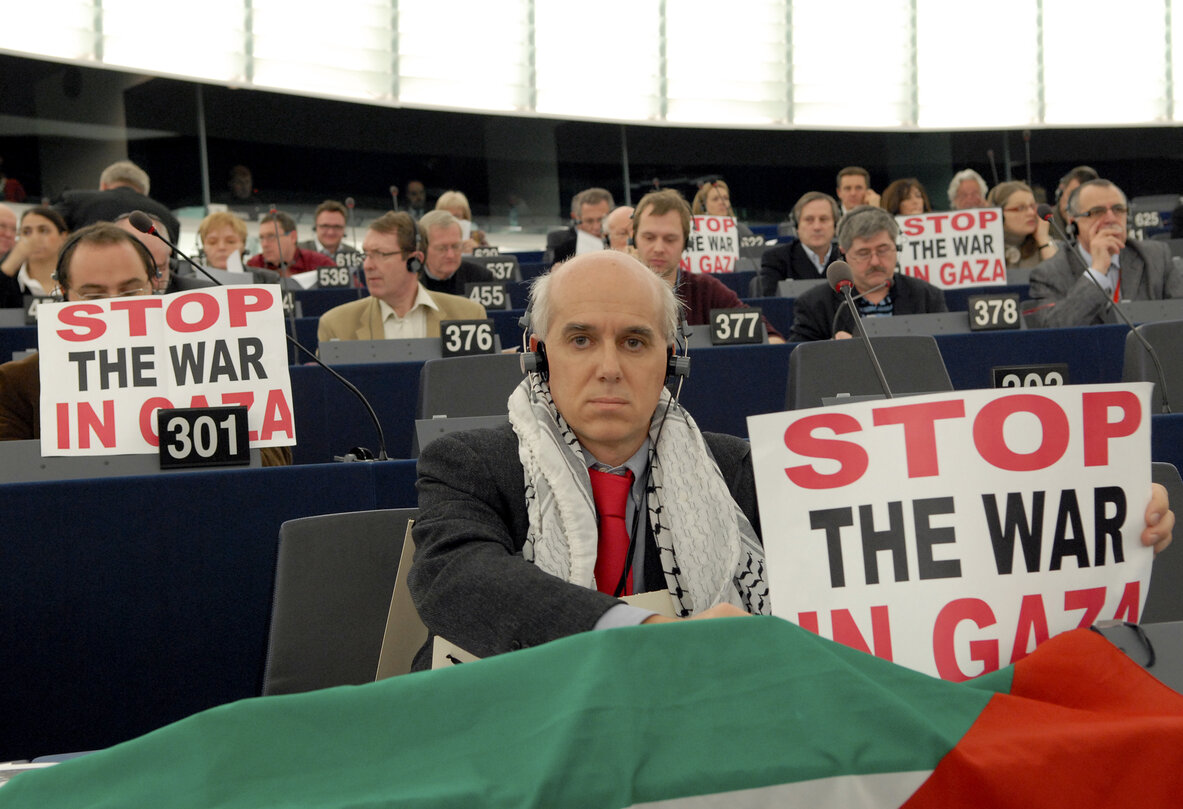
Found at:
(512, 540)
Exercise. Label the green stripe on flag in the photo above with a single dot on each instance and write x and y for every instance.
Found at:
(603, 719)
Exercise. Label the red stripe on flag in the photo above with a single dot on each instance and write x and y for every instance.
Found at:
(1083, 725)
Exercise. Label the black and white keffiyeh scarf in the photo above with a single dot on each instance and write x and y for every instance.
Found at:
(707, 547)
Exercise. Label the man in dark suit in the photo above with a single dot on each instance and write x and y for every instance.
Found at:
(815, 216)
(508, 552)
(1120, 268)
(867, 237)
(443, 268)
(123, 188)
(588, 209)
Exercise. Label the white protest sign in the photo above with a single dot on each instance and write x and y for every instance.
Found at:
(953, 532)
(108, 365)
(713, 245)
(954, 248)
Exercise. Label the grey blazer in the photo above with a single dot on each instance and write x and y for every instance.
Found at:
(469, 580)
(1068, 298)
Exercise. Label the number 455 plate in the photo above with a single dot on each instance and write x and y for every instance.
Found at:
(203, 436)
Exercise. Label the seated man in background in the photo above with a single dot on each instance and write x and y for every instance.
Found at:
(278, 240)
(618, 229)
(1069, 183)
(867, 237)
(101, 261)
(330, 220)
(967, 189)
(588, 209)
(661, 228)
(815, 216)
(854, 188)
(123, 188)
(399, 307)
(444, 269)
(508, 553)
(1076, 286)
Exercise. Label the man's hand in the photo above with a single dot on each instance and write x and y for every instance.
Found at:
(842, 335)
(871, 198)
(717, 611)
(1160, 520)
(1107, 241)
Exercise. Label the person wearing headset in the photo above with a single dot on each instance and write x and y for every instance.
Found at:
(618, 229)
(529, 532)
(1075, 286)
(103, 260)
(867, 237)
(99, 261)
(661, 228)
(599, 486)
(814, 217)
(588, 209)
(399, 306)
(444, 268)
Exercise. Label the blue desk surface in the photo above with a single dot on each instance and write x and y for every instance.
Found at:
(156, 603)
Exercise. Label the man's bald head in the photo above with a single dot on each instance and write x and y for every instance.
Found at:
(618, 227)
(604, 267)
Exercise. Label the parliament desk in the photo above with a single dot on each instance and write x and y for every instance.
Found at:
(131, 602)
(127, 603)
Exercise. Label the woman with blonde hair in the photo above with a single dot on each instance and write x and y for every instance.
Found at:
(456, 203)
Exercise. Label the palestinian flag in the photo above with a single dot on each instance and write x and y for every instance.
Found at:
(746, 712)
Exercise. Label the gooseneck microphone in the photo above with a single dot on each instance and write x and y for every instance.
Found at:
(1046, 213)
(144, 224)
(841, 280)
(349, 203)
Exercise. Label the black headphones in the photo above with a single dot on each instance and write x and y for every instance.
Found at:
(414, 263)
(677, 365)
(72, 242)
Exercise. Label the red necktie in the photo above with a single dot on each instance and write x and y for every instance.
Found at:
(611, 496)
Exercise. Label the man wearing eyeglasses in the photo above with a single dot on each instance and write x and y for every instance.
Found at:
(331, 219)
(867, 238)
(281, 253)
(1103, 265)
(399, 306)
(443, 245)
(102, 261)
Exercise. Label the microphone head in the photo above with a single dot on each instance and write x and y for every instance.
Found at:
(1045, 212)
(141, 222)
(838, 275)
(394, 190)
(349, 203)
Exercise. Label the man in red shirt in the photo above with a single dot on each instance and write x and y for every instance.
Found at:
(277, 238)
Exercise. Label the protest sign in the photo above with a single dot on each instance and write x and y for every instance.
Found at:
(713, 245)
(108, 365)
(954, 248)
(953, 532)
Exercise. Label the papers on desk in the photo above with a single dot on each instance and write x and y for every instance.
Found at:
(10, 771)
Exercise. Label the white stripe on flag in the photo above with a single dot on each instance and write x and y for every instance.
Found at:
(873, 791)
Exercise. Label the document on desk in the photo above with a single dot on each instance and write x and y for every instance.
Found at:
(444, 653)
(953, 532)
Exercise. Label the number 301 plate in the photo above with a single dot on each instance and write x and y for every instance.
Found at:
(203, 436)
